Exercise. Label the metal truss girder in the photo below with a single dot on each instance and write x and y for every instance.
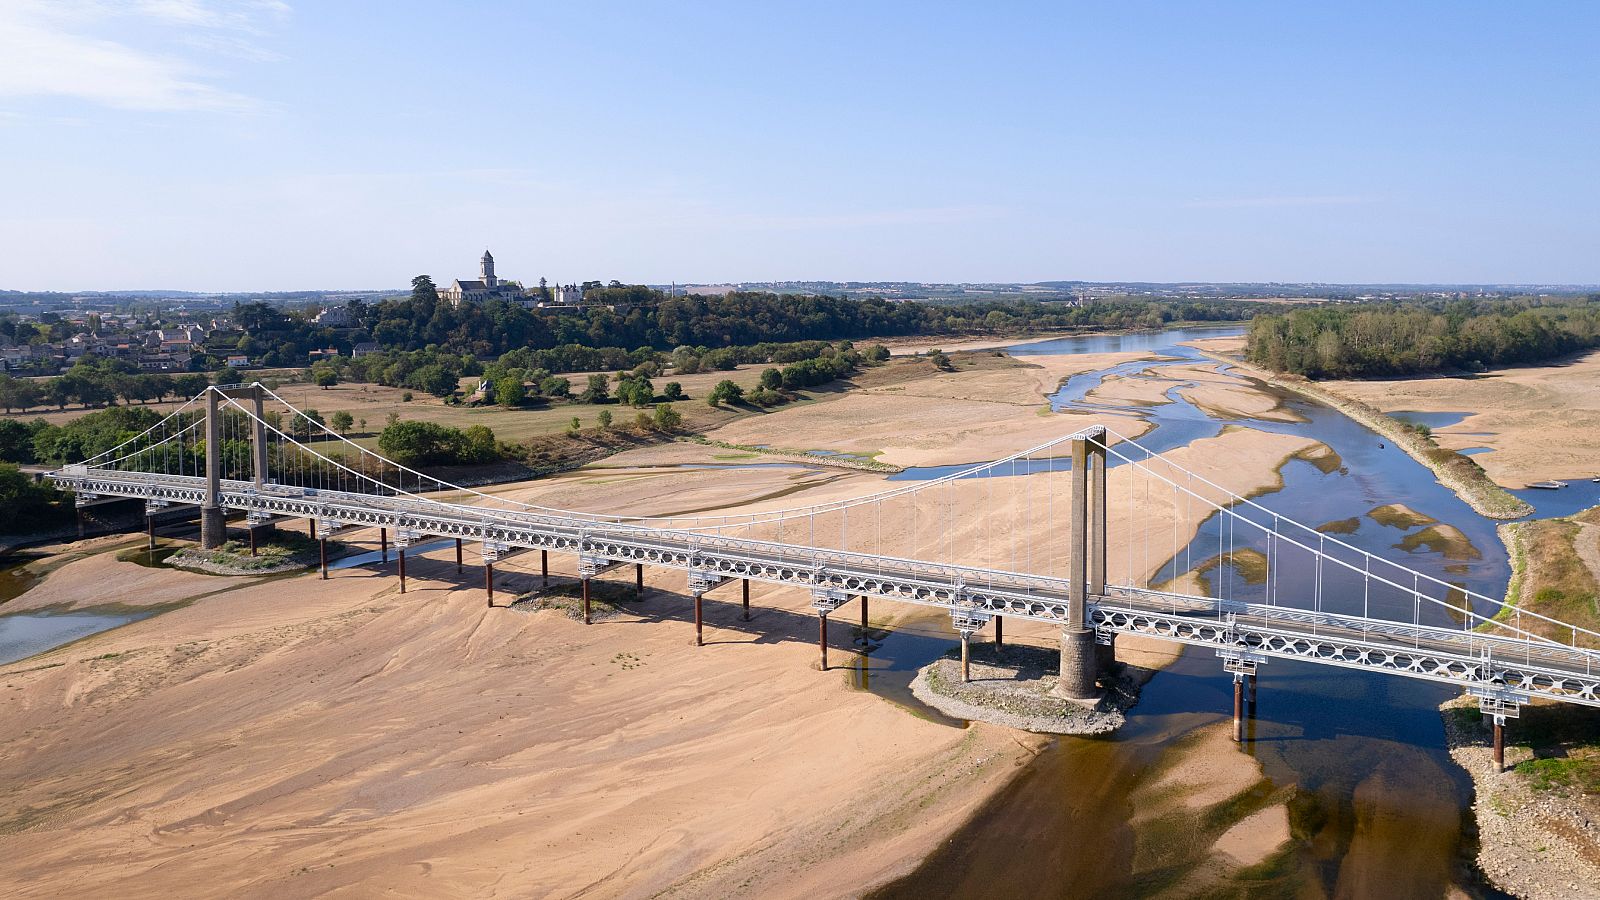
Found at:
(1430, 664)
(1442, 655)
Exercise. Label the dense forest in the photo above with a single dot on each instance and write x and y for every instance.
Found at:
(645, 318)
(1367, 342)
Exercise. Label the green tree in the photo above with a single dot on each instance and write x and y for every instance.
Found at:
(574, 425)
(771, 379)
(227, 376)
(189, 386)
(599, 389)
(605, 418)
(726, 391)
(342, 421)
(555, 386)
(667, 418)
(324, 376)
(673, 391)
(509, 392)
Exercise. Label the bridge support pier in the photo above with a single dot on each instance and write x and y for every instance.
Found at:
(383, 544)
(863, 619)
(544, 567)
(1252, 694)
(638, 581)
(150, 531)
(1238, 708)
(458, 556)
(1499, 744)
(822, 639)
(488, 580)
(213, 521)
(251, 531)
(1080, 657)
(1078, 665)
(322, 556)
(586, 601)
(999, 633)
(746, 591)
(402, 570)
(966, 658)
(699, 638)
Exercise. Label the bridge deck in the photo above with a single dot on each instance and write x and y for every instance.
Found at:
(1513, 667)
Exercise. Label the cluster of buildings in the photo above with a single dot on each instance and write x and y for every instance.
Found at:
(164, 349)
(488, 286)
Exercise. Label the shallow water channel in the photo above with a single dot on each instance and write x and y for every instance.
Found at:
(1376, 806)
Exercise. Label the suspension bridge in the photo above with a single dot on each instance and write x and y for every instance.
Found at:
(1090, 532)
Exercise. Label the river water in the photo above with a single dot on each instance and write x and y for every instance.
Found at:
(1377, 806)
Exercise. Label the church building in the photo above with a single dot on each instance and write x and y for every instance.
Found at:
(487, 287)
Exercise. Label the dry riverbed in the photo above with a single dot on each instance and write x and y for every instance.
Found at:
(297, 736)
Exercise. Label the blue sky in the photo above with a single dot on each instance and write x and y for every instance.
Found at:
(257, 144)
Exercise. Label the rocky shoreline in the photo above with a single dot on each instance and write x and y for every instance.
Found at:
(1534, 844)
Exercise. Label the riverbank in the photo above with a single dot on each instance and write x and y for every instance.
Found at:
(1455, 471)
(1539, 822)
(1538, 836)
(1525, 424)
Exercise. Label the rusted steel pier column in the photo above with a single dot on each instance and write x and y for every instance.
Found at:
(402, 570)
(699, 640)
(1238, 708)
(966, 658)
(544, 567)
(638, 580)
(863, 618)
(1499, 744)
(383, 544)
(586, 601)
(999, 632)
(488, 580)
(458, 556)
(322, 556)
(251, 531)
(1252, 694)
(822, 639)
(746, 599)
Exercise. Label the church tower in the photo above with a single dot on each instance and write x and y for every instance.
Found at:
(486, 271)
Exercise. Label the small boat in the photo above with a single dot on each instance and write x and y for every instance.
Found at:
(1550, 485)
(1595, 480)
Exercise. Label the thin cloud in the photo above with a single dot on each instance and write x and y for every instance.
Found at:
(49, 50)
(1279, 201)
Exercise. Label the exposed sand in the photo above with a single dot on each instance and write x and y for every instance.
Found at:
(1541, 422)
(945, 419)
(295, 736)
(1255, 837)
(339, 735)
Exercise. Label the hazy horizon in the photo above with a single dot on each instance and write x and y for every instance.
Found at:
(258, 145)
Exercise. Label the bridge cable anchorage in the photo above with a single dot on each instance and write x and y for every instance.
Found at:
(316, 475)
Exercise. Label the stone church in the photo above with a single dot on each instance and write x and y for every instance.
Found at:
(486, 287)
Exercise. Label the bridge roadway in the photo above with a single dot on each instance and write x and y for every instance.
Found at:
(1506, 667)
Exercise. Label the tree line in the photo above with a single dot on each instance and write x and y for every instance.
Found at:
(1412, 339)
(626, 318)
